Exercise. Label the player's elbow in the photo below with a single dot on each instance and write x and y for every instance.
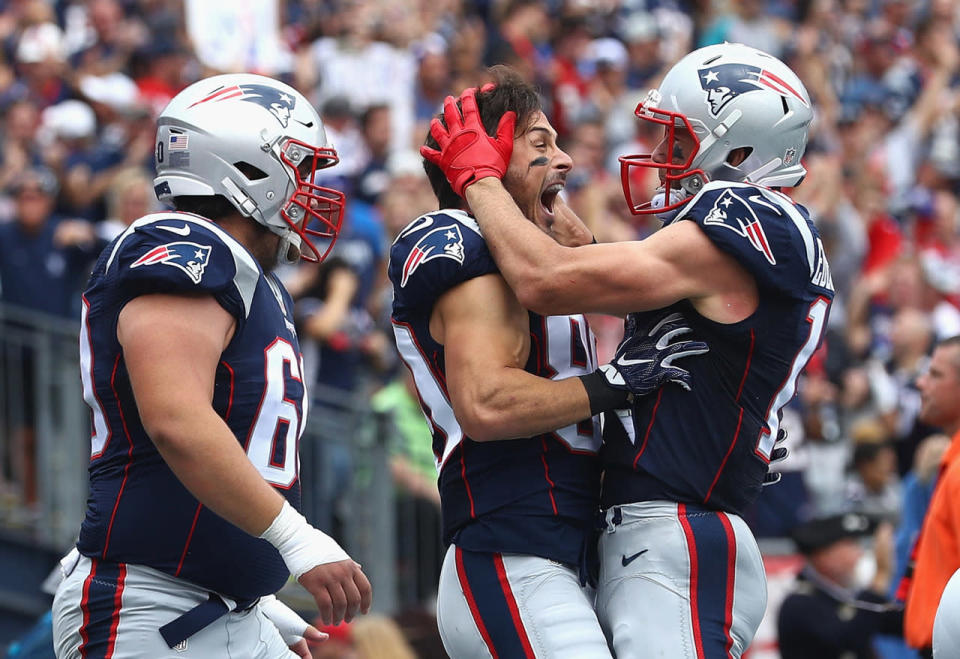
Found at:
(478, 427)
(539, 294)
(531, 286)
(483, 422)
(166, 430)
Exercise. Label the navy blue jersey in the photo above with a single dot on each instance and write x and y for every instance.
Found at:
(138, 511)
(711, 446)
(534, 496)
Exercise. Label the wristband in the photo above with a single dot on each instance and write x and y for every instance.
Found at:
(301, 546)
(602, 396)
(287, 621)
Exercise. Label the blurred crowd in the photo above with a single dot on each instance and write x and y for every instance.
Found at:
(82, 80)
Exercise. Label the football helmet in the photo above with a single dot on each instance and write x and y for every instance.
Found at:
(714, 100)
(258, 143)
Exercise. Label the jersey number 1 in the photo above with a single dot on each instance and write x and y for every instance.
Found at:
(817, 317)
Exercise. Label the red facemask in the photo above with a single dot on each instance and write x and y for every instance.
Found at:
(314, 213)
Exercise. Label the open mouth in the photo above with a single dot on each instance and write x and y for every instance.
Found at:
(549, 197)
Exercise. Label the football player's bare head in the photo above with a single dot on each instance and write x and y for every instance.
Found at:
(538, 167)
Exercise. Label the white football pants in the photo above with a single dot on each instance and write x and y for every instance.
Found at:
(108, 610)
(515, 607)
(679, 582)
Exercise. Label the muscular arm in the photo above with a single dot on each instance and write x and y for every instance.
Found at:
(678, 262)
(171, 347)
(486, 337)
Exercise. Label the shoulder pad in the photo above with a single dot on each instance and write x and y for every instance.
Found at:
(436, 252)
(767, 233)
(180, 252)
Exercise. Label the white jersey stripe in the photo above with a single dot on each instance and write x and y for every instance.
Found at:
(441, 412)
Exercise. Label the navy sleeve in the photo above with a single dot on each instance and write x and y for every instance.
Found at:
(435, 253)
(760, 230)
(169, 256)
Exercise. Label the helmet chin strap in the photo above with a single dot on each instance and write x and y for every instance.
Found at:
(660, 200)
(288, 249)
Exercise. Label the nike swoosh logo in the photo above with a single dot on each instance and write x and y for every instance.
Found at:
(416, 226)
(306, 124)
(627, 560)
(632, 362)
(180, 231)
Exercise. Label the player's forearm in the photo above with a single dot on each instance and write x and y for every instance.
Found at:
(521, 405)
(208, 460)
(527, 257)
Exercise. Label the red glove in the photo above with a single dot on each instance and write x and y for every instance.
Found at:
(467, 154)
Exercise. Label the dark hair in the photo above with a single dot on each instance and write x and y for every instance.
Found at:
(370, 112)
(866, 452)
(212, 208)
(511, 92)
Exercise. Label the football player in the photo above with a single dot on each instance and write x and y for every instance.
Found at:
(512, 398)
(681, 574)
(193, 374)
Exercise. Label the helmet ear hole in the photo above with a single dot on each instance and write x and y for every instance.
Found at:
(251, 172)
(738, 155)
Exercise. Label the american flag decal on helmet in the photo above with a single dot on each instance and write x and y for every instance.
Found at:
(725, 82)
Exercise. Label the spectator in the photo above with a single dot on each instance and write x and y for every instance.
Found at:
(129, 197)
(641, 34)
(42, 264)
(873, 487)
(827, 615)
(917, 490)
(379, 637)
(376, 131)
(433, 82)
(43, 258)
(937, 552)
(20, 146)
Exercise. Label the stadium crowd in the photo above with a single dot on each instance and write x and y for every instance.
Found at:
(82, 80)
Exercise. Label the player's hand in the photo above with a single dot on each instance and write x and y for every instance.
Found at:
(467, 154)
(778, 455)
(567, 228)
(645, 358)
(341, 590)
(295, 631)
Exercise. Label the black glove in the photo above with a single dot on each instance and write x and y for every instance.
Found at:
(645, 358)
(644, 362)
(778, 455)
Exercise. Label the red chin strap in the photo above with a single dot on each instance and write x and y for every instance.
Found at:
(671, 174)
(320, 214)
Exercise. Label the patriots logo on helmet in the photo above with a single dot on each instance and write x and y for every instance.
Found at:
(442, 242)
(725, 82)
(276, 101)
(732, 212)
(189, 257)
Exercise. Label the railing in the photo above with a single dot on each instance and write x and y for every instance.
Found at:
(347, 485)
(44, 428)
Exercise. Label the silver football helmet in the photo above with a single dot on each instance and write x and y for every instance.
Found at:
(714, 100)
(258, 143)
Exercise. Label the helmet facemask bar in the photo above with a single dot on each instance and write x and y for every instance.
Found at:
(674, 173)
(313, 211)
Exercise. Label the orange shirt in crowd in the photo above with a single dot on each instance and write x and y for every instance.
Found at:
(938, 553)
